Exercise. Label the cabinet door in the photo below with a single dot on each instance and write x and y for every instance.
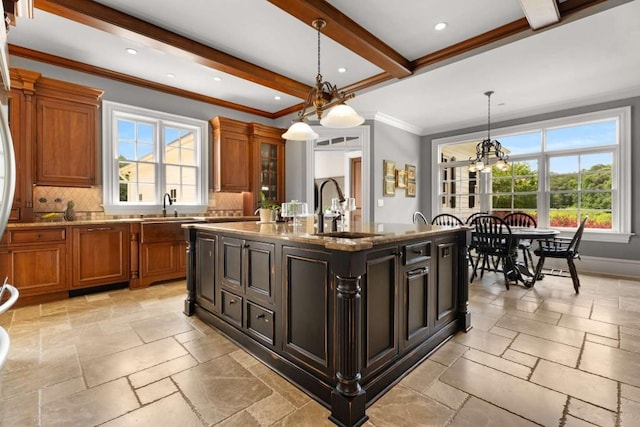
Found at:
(100, 255)
(446, 289)
(36, 269)
(158, 259)
(380, 299)
(260, 270)
(14, 104)
(206, 272)
(231, 262)
(417, 303)
(66, 143)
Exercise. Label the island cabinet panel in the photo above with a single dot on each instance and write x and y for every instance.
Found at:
(380, 298)
(206, 273)
(307, 283)
(231, 307)
(418, 293)
(232, 250)
(100, 255)
(446, 290)
(260, 323)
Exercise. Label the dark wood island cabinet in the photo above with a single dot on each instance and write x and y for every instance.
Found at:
(342, 316)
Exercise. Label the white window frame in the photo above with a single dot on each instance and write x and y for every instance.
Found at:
(111, 111)
(621, 214)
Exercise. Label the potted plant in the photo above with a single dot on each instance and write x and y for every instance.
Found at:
(267, 209)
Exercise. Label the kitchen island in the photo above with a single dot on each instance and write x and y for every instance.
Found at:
(342, 315)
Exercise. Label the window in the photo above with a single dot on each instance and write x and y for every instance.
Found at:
(561, 170)
(147, 154)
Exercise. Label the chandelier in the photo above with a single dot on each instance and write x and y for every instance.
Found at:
(323, 96)
(484, 148)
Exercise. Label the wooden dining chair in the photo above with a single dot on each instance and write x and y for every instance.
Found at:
(473, 215)
(561, 247)
(418, 218)
(522, 219)
(493, 240)
(447, 220)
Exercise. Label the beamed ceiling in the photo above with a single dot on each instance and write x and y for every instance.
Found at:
(243, 54)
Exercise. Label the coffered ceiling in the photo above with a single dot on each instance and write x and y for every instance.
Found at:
(261, 56)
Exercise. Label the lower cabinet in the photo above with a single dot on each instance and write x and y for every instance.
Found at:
(100, 255)
(162, 252)
(446, 298)
(418, 315)
(206, 272)
(35, 260)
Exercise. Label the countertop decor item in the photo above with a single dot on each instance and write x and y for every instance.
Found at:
(70, 213)
(321, 97)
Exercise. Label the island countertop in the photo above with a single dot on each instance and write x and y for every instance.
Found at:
(365, 236)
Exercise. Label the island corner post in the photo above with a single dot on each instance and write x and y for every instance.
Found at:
(377, 307)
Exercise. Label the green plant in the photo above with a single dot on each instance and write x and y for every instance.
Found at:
(266, 203)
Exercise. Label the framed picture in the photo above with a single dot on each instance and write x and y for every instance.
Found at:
(411, 172)
(389, 168)
(401, 178)
(389, 187)
(411, 189)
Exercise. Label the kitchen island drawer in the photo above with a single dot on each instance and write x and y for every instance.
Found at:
(416, 252)
(38, 235)
(260, 322)
(232, 307)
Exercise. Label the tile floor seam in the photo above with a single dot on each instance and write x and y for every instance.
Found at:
(618, 418)
(565, 412)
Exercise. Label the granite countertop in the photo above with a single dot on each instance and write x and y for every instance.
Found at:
(363, 237)
(145, 220)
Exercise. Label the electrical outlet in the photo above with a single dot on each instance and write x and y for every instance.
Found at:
(380, 203)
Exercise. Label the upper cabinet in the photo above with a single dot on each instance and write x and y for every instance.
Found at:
(231, 155)
(249, 158)
(267, 166)
(66, 133)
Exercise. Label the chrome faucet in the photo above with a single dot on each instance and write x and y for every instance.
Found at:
(321, 212)
(164, 203)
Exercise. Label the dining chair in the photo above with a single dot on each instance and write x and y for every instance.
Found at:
(418, 218)
(446, 219)
(561, 247)
(473, 215)
(522, 219)
(493, 240)
(471, 247)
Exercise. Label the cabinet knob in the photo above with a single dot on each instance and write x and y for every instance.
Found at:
(262, 316)
(232, 301)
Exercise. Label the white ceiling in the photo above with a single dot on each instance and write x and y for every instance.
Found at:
(589, 57)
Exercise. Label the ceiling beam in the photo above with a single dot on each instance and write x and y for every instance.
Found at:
(349, 34)
(125, 78)
(123, 25)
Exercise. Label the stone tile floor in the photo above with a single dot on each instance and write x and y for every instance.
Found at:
(543, 356)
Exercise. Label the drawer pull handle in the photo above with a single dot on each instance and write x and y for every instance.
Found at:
(99, 229)
(418, 272)
(232, 302)
(261, 316)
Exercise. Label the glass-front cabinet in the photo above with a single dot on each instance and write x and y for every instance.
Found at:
(268, 167)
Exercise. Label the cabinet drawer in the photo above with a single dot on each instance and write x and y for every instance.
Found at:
(232, 307)
(260, 322)
(37, 236)
(416, 252)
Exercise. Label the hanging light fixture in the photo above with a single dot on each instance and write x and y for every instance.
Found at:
(323, 96)
(484, 148)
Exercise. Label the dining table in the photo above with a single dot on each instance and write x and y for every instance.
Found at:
(523, 273)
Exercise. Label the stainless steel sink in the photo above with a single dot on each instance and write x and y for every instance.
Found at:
(347, 234)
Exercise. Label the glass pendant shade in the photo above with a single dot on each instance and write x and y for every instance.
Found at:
(342, 116)
(300, 131)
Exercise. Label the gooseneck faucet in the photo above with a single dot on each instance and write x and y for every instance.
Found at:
(320, 209)
(164, 203)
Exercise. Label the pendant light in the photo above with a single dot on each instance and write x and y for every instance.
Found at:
(488, 147)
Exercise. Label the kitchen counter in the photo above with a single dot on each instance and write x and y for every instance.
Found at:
(59, 223)
(342, 316)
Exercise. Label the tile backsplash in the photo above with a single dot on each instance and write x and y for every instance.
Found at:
(88, 202)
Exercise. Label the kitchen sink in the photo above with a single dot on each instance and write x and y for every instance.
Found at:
(347, 234)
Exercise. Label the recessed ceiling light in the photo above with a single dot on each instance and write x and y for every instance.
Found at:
(277, 98)
(217, 79)
(440, 26)
(342, 70)
(171, 75)
(131, 51)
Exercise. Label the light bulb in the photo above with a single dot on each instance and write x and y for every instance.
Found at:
(479, 165)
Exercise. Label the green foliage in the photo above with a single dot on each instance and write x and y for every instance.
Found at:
(266, 203)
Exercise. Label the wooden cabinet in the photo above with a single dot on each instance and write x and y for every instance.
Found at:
(231, 155)
(21, 112)
(35, 260)
(446, 296)
(267, 166)
(247, 275)
(162, 252)
(66, 133)
(100, 255)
